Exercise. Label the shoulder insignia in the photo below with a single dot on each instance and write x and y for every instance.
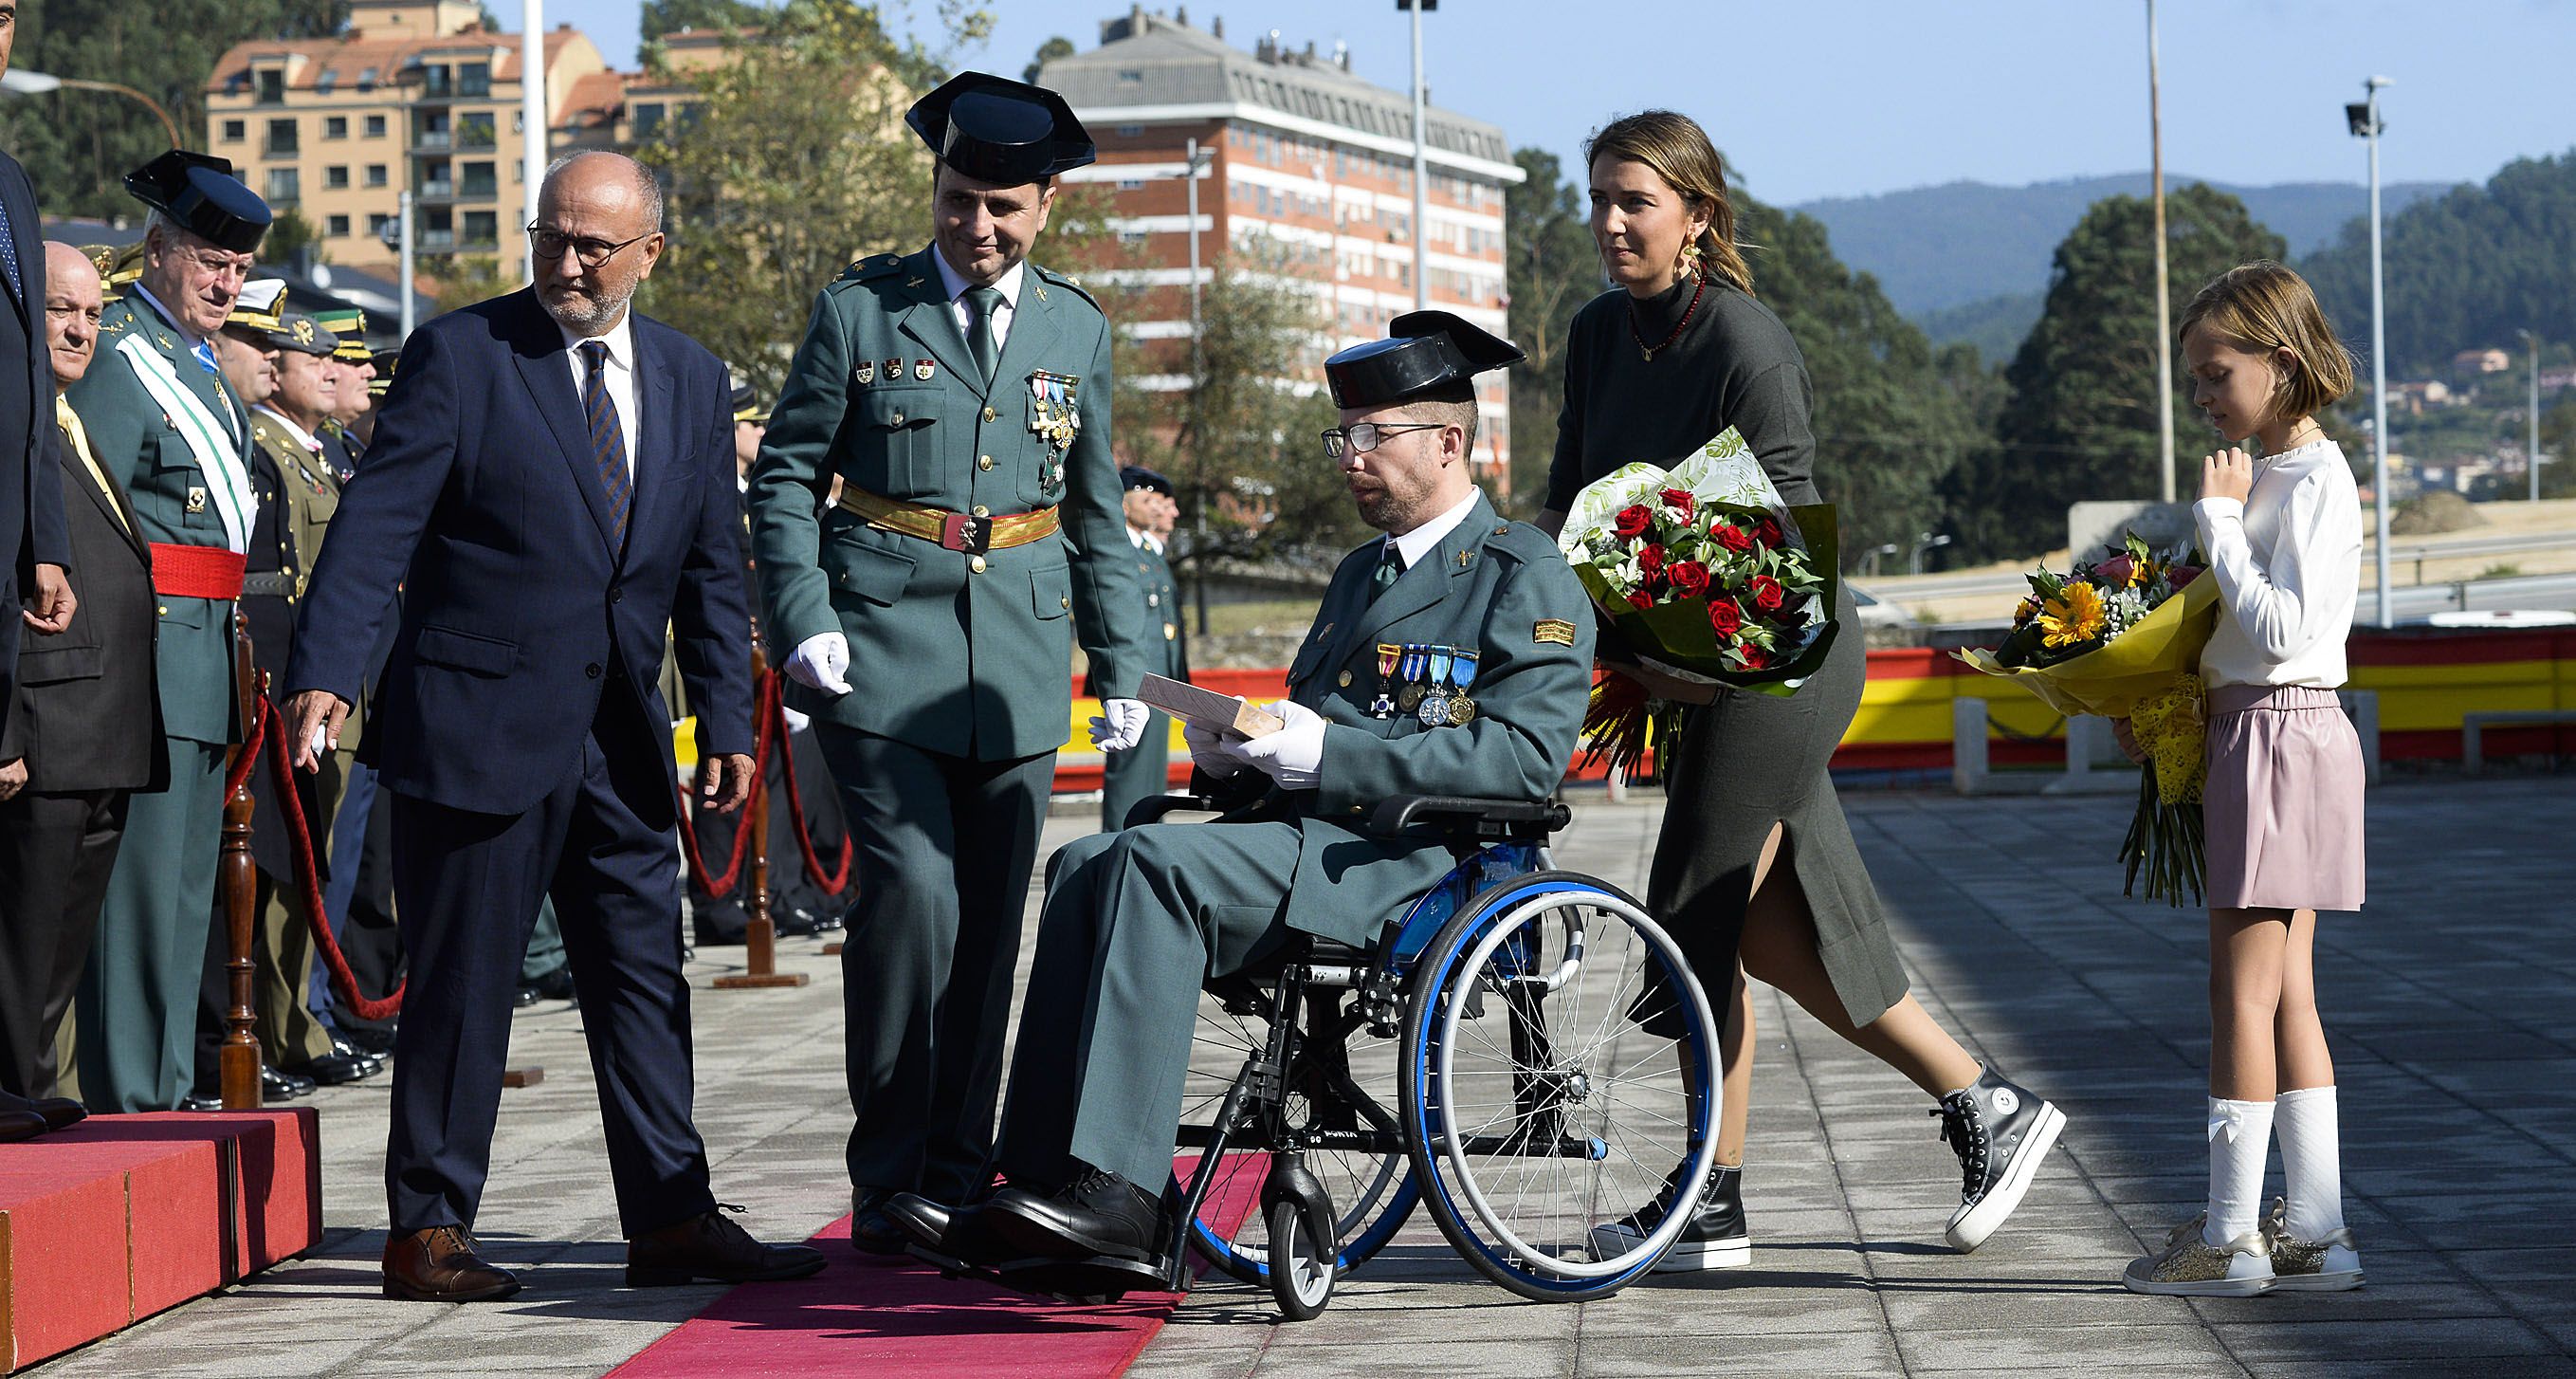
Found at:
(872, 266)
(1066, 281)
(111, 327)
(1503, 530)
(1553, 632)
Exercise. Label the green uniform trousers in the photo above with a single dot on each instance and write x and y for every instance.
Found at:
(1134, 923)
(942, 850)
(138, 1001)
(1139, 773)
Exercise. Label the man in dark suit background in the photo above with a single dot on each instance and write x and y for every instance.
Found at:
(552, 485)
(80, 734)
(33, 548)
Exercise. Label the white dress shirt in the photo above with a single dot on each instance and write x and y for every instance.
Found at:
(1425, 539)
(955, 284)
(2288, 564)
(618, 374)
(1145, 541)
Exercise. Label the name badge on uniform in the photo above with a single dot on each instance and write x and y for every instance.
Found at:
(865, 373)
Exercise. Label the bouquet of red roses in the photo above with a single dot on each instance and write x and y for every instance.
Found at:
(1703, 573)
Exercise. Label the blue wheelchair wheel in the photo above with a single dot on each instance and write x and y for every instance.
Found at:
(1560, 1072)
(1340, 1088)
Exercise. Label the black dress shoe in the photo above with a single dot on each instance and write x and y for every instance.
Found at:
(276, 1085)
(330, 1070)
(375, 1043)
(1099, 1213)
(371, 1063)
(872, 1232)
(59, 1112)
(201, 1101)
(957, 1234)
(20, 1125)
(711, 1247)
(555, 984)
(720, 929)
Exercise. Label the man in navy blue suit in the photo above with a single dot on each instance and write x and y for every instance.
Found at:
(33, 546)
(551, 484)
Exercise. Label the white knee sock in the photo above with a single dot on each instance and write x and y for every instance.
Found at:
(2240, 1139)
(2311, 1163)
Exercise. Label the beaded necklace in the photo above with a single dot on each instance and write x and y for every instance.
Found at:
(1650, 351)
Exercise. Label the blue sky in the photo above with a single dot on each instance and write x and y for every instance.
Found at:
(1815, 98)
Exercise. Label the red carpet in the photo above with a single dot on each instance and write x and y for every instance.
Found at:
(863, 1317)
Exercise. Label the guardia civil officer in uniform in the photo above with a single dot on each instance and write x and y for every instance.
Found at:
(961, 395)
(1136, 920)
(163, 422)
(1145, 770)
(353, 374)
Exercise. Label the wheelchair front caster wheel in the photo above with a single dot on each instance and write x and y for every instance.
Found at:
(1301, 1267)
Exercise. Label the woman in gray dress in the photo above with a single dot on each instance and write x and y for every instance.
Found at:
(1756, 870)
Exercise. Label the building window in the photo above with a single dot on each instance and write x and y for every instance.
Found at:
(474, 130)
(272, 86)
(335, 127)
(482, 230)
(282, 186)
(235, 131)
(330, 78)
(281, 137)
(375, 174)
(339, 227)
(1131, 184)
(367, 79)
(474, 79)
(335, 177)
(375, 126)
(1131, 236)
(377, 222)
(648, 118)
(1131, 131)
(1131, 76)
(476, 179)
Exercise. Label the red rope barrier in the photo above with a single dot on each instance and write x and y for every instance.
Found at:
(765, 706)
(308, 877)
(838, 881)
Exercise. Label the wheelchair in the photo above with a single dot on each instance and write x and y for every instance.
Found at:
(1527, 1054)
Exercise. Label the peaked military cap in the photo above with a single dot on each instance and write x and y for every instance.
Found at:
(385, 361)
(1000, 131)
(1137, 476)
(350, 324)
(200, 194)
(298, 332)
(746, 405)
(1428, 356)
(259, 305)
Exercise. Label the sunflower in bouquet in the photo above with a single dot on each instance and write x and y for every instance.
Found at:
(1703, 573)
(2121, 637)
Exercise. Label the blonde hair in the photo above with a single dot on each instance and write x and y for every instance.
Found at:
(2262, 307)
(1679, 152)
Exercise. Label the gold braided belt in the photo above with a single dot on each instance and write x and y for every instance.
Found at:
(972, 533)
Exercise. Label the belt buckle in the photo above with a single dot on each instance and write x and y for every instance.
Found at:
(965, 532)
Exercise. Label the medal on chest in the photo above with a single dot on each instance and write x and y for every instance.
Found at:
(1384, 705)
(1434, 709)
(1462, 673)
(1055, 419)
(1416, 660)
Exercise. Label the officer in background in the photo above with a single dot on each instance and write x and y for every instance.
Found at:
(961, 394)
(1126, 777)
(353, 373)
(1137, 920)
(162, 421)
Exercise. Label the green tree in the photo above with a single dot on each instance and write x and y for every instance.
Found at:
(77, 145)
(1551, 269)
(288, 235)
(2080, 421)
(797, 164)
(1049, 51)
(2558, 443)
(662, 17)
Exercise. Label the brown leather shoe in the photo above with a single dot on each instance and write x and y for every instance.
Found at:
(440, 1265)
(713, 1248)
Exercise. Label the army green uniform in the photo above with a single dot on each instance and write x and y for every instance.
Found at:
(1145, 770)
(165, 426)
(960, 664)
(1135, 921)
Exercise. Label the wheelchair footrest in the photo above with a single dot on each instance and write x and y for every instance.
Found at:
(1099, 1279)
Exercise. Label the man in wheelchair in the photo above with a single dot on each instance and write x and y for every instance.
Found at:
(1451, 657)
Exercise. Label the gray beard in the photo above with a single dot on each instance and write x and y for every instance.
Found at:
(590, 316)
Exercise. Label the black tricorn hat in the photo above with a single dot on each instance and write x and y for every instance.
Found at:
(1001, 131)
(1136, 476)
(1428, 356)
(200, 194)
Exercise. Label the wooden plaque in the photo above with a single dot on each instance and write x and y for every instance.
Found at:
(1226, 713)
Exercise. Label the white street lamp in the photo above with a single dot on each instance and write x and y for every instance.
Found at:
(19, 82)
(2531, 456)
(1421, 161)
(2363, 119)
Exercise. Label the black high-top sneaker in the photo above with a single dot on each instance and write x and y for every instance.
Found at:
(2000, 1134)
(1716, 1237)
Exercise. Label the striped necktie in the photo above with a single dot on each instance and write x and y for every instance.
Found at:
(607, 439)
(9, 255)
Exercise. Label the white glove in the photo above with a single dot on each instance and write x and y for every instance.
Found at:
(1208, 753)
(1121, 724)
(796, 722)
(1294, 755)
(818, 661)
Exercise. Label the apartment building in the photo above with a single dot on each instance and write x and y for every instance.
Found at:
(1311, 176)
(414, 96)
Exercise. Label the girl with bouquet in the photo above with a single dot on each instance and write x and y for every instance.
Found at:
(1756, 862)
(2282, 803)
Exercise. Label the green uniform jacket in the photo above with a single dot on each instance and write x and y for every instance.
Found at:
(967, 656)
(1167, 646)
(1497, 588)
(141, 447)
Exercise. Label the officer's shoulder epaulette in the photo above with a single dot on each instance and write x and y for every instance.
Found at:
(1520, 541)
(871, 267)
(1068, 282)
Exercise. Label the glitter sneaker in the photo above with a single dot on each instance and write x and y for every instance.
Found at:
(2330, 1265)
(2000, 1134)
(2189, 1266)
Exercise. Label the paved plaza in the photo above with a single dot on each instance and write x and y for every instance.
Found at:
(2446, 1001)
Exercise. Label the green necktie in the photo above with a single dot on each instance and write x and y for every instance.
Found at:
(980, 302)
(1390, 568)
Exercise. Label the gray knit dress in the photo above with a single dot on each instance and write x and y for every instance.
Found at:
(1748, 760)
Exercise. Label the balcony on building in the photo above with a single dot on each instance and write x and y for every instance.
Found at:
(431, 132)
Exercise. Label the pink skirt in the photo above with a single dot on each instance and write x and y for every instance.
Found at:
(2282, 809)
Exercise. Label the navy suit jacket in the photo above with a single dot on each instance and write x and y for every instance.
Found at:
(479, 499)
(31, 490)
